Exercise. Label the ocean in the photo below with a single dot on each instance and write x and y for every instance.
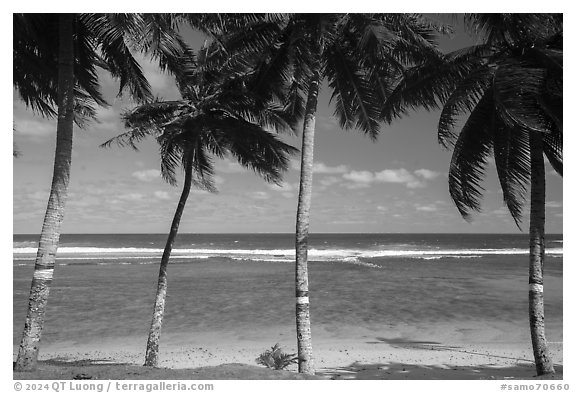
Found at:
(242, 286)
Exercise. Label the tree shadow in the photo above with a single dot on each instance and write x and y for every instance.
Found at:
(64, 361)
(437, 346)
(520, 368)
(400, 371)
(406, 343)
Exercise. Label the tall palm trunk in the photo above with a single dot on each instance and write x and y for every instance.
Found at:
(303, 330)
(159, 305)
(542, 357)
(50, 236)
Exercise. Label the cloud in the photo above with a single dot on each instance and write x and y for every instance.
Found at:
(327, 122)
(260, 195)
(35, 127)
(134, 196)
(198, 191)
(427, 174)
(108, 114)
(395, 176)
(360, 176)
(321, 168)
(284, 187)
(330, 180)
(162, 195)
(427, 208)
(147, 174)
(553, 204)
(362, 179)
(227, 166)
(162, 83)
(39, 195)
(287, 190)
(502, 211)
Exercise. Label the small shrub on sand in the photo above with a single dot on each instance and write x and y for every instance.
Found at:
(276, 359)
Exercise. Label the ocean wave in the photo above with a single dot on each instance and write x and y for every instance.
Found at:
(273, 255)
(98, 257)
(92, 250)
(434, 257)
(25, 244)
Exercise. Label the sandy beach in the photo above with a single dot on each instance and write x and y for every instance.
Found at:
(409, 356)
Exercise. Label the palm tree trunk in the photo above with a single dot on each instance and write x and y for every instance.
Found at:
(303, 330)
(50, 236)
(159, 305)
(542, 357)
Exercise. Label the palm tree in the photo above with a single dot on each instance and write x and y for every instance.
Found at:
(358, 55)
(218, 116)
(55, 65)
(511, 88)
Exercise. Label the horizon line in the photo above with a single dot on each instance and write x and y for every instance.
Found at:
(292, 233)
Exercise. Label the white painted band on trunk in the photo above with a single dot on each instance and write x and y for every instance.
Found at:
(44, 274)
(536, 288)
(302, 300)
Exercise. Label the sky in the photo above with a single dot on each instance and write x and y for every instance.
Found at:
(397, 184)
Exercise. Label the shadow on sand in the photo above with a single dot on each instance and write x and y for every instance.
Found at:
(66, 362)
(104, 369)
(397, 371)
(522, 369)
(63, 361)
(436, 346)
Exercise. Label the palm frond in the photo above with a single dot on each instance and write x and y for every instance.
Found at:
(163, 44)
(430, 84)
(275, 67)
(251, 37)
(512, 158)
(183, 144)
(469, 158)
(418, 38)
(514, 28)
(156, 113)
(171, 153)
(35, 76)
(116, 54)
(553, 149)
(203, 174)
(356, 100)
(147, 120)
(84, 109)
(463, 99)
(86, 61)
(516, 88)
(250, 145)
(100, 40)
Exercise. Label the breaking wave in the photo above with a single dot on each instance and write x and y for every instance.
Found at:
(272, 255)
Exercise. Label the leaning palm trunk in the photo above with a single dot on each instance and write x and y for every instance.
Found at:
(159, 305)
(50, 236)
(303, 331)
(542, 357)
